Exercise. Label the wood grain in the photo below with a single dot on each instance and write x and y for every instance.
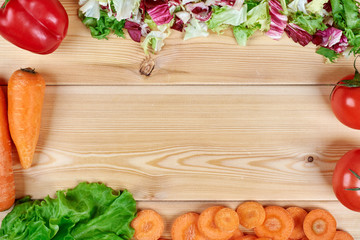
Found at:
(242, 141)
(83, 60)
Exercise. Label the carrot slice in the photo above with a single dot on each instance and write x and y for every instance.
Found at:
(226, 220)
(237, 234)
(341, 235)
(185, 227)
(319, 224)
(298, 214)
(251, 214)
(248, 237)
(264, 238)
(148, 225)
(207, 226)
(7, 184)
(278, 224)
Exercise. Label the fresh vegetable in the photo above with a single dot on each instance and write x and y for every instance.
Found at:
(248, 237)
(208, 227)
(346, 180)
(185, 227)
(345, 100)
(7, 185)
(237, 234)
(278, 224)
(90, 211)
(148, 225)
(251, 214)
(26, 89)
(341, 235)
(38, 26)
(333, 26)
(298, 214)
(319, 224)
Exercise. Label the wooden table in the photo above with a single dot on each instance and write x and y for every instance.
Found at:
(214, 123)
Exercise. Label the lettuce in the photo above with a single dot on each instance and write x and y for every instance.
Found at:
(242, 34)
(195, 29)
(278, 19)
(104, 26)
(222, 17)
(155, 39)
(316, 6)
(87, 212)
(310, 23)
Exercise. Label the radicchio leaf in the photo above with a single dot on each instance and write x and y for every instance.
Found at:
(160, 14)
(298, 34)
(178, 24)
(278, 20)
(331, 38)
(134, 30)
(199, 10)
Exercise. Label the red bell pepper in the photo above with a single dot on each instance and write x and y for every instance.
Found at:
(38, 26)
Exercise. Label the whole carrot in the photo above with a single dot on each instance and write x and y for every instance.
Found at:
(7, 186)
(26, 90)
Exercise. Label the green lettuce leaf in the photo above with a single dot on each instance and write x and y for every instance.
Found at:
(258, 17)
(329, 54)
(222, 17)
(89, 211)
(316, 6)
(242, 34)
(195, 29)
(101, 28)
(354, 40)
(345, 14)
(310, 23)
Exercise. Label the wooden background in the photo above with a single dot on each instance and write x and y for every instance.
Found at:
(214, 123)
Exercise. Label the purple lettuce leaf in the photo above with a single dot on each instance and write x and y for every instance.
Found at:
(160, 14)
(178, 25)
(134, 30)
(297, 34)
(331, 38)
(199, 11)
(278, 20)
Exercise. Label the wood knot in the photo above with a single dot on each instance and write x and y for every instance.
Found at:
(310, 159)
(147, 66)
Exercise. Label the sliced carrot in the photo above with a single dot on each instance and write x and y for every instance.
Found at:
(7, 185)
(264, 238)
(207, 226)
(248, 237)
(298, 214)
(148, 225)
(26, 89)
(237, 234)
(251, 214)
(185, 227)
(341, 235)
(278, 224)
(319, 224)
(226, 220)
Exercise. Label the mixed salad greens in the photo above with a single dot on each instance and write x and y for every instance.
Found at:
(88, 211)
(332, 25)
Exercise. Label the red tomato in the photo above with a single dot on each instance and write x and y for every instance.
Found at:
(345, 103)
(346, 180)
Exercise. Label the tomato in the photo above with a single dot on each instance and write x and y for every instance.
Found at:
(345, 103)
(346, 180)
(38, 26)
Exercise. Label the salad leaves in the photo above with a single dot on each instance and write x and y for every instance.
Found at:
(331, 25)
(89, 211)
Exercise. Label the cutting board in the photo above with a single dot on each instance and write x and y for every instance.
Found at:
(212, 123)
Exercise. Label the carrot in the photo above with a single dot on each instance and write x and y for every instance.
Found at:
(227, 220)
(26, 90)
(207, 226)
(298, 214)
(251, 214)
(237, 234)
(264, 238)
(185, 227)
(319, 224)
(248, 237)
(341, 235)
(148, 225)
(278, 224)
(7, 185)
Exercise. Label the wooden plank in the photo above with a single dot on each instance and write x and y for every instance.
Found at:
(157, 141)
(169, 210)
(82, 60)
